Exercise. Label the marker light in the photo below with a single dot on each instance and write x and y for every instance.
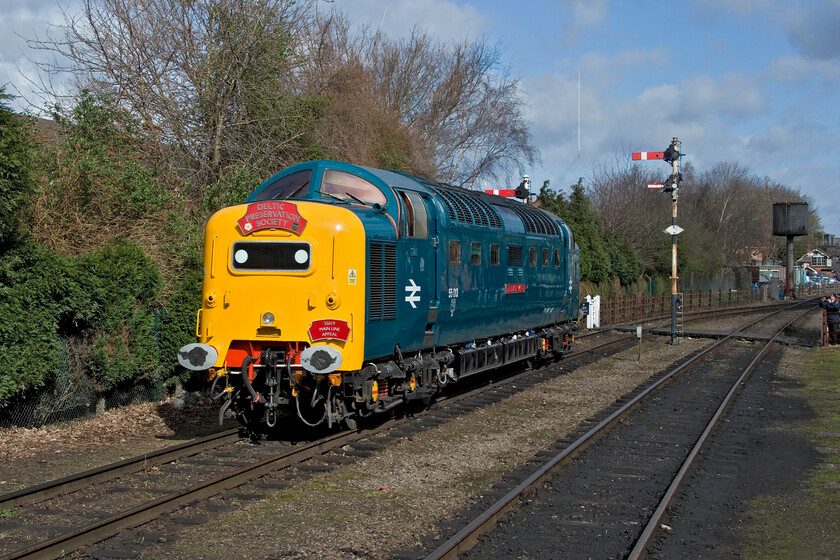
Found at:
(268, 319)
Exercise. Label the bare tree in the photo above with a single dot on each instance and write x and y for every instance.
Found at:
(212, 77)
(456, 98)
(461, 101)
(627, 208)
(260, 83)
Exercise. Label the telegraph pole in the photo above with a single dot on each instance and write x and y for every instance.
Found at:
(670, 155)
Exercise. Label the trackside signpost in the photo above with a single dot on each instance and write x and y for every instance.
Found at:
(671, 155)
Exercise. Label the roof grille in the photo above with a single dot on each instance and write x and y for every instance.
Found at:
(465, 206)
(534, 220)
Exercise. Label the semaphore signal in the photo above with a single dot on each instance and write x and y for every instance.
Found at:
(671, 155)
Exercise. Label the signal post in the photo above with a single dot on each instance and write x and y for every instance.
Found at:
(670, 155)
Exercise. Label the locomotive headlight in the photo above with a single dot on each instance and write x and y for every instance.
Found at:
(268, 319)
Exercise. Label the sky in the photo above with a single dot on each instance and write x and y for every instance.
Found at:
(755, 82)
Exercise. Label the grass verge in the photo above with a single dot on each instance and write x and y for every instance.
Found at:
(805, 525)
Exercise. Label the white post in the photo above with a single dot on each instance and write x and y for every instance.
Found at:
(593, 320)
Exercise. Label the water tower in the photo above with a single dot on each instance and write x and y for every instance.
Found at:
(790, 219)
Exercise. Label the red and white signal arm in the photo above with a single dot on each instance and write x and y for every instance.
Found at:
(643, 156)
(501, 192)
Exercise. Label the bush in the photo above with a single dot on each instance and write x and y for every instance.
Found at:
(125, 286)
(36, 297)
(17, 149)
(104, 305)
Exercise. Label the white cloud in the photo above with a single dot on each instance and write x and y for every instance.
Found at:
(795, 69)
(19, 23)
(445, 19)
(584, 15)
(732, 95)
(813, 31)
(715, 9)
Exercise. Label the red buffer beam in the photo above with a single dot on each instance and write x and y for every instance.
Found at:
(648, 155)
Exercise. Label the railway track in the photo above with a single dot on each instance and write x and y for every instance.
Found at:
(59, 541)
(609, 503)
(105, 473)
(44, 509)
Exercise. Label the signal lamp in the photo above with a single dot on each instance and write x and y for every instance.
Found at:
(268, 319)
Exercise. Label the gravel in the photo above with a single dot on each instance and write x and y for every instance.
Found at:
(398, 498)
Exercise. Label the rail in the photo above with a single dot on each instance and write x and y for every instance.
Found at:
(469, 536)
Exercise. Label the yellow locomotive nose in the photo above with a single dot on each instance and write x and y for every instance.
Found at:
(284, 288)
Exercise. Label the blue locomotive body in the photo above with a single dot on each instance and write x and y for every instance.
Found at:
(466, 267)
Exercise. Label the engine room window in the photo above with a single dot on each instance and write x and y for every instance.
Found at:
(416, 219)
(545, 257)
(514, 255)
(557, 260)
(271, 256)
(291, 186)
(475, 253)
(532, 256)
(454, 252)
(347, 186)
(494, 254)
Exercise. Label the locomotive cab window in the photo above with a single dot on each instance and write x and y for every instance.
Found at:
(454, 252)
(532, 256)
(494, 254)
(295, 185)
(475, 253)
(347, 186)
(416, 218)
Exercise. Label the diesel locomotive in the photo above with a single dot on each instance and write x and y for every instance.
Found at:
(337, 291)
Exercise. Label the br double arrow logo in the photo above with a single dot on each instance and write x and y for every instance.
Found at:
(412, 298)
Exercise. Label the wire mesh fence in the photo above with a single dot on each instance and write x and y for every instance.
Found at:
(73, 395)
(620, 310)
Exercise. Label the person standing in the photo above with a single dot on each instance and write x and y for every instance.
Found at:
(832, 310)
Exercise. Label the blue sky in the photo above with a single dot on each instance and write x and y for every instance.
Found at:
(752, 81)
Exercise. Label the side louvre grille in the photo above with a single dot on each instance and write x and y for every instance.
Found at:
(514, 255)
(382, 282)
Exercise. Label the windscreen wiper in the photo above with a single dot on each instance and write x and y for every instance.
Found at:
(297, 190)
